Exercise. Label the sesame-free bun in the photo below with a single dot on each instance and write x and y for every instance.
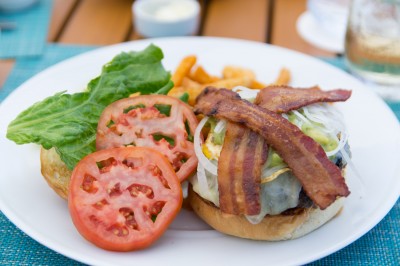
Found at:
(291, 225)
(55, 171)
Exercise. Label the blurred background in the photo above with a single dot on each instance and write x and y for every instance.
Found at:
(105, 22)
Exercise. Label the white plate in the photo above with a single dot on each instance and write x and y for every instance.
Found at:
(313, 32)
(374, 136)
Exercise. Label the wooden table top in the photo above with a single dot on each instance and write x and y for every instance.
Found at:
(105, 22)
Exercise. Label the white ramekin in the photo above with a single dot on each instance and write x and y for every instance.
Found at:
(160, 18)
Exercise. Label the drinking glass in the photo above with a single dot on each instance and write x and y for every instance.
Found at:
(372, 45)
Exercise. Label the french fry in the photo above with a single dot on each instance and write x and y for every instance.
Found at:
(237, 72)
(193, 88)
(188, 82)
(230, 83)
(200, 75)
(192, 79)
(283, 77)
(177, 91)
(257, 85)
(183, 69)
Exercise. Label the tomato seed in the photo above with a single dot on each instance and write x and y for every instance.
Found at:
(136, 189)
(94, 220)
(114, 129)
(115, 191)
(157, 207)
(133, 162)
(179, 160)
(139, 133)
(132, 224)
(154, 210)
(154, 169)
(126, 211)
(163, 181)
(129, 218)
(122, 121)
(118, 230)
(106, 165)
(100, 204)
(88, 184)
(150, 113)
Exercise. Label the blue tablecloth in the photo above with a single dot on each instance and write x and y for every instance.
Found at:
(29, 37)
(380, 246)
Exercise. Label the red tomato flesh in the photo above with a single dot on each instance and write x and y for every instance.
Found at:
(156, 121)
(123, 199)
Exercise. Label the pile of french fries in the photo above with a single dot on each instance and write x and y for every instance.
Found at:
(192, 79)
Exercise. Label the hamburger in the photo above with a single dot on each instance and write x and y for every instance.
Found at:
(55, 171)
(272, 165)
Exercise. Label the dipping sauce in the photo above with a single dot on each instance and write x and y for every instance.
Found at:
(174, 10)
(160, 18)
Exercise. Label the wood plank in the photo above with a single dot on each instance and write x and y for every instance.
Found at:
(6, 66)
(237, 19)
(99, 22)
(284, 33)
(62, 9)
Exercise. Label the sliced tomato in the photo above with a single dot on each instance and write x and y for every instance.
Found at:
(123, 199)
(157, 121)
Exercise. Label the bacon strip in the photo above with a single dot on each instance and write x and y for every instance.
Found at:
(239, 170)
(321, 179)
(282, 99)
(239, 184)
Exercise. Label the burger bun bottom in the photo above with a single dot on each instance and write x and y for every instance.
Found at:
(295, 224)
(55, 171)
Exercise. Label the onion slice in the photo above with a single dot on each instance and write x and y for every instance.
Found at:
(203, 160)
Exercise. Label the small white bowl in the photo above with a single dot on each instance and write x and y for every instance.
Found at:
(160, 18)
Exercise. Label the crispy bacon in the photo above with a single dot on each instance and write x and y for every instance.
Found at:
(282, 99)
(239, 188)
(321, 179)
(239, 170)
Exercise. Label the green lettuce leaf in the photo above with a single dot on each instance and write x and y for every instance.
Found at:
(68, 122)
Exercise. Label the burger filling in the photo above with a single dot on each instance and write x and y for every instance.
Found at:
(280, 189)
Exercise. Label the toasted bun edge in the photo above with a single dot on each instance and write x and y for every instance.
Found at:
(55, 172)
(271, 228)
